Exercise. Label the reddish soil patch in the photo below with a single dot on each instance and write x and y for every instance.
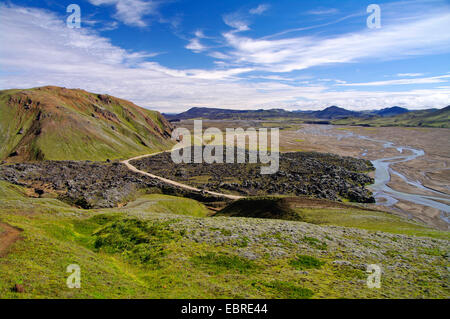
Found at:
(8, 236)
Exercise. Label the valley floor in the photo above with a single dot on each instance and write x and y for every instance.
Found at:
(430, 170)
(140, 243)
(427, 175)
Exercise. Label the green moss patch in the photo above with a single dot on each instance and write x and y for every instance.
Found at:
(315, 243)
(139, 241)
(303, 262)
(287, 290)
(217, 262)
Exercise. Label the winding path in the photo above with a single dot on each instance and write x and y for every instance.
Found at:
(171, 182)
(8, 236)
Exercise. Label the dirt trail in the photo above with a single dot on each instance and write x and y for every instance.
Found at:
(171, 182)
(8, 236)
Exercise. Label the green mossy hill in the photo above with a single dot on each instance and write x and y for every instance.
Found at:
(324, 212)
(260, 207)
(425, 118)
(54, 123)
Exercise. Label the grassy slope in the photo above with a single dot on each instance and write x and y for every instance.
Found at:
(440, 118)
(56, 235)
(323, 212)
(62, 124)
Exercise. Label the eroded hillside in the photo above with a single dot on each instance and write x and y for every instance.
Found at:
(53, 123)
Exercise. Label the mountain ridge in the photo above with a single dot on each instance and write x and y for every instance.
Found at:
(390, 116)
(331, 112)
(391, 111)
(58, 123)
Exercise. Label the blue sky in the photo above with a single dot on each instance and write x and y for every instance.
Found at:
(172, 55)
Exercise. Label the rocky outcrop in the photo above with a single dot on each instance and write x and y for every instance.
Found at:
(89, 184)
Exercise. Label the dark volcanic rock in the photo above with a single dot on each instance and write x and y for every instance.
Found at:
(319, 175)
(89, 184)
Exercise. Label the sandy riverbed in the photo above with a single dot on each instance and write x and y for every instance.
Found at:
(432, 170)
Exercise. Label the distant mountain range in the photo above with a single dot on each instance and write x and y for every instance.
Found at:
(334, 112)
(331, 115)
(219, 114)
(391, 111)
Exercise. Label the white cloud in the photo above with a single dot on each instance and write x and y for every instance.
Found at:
(41, 51)
(259, 9)
(218, 55)
(195, 45)
(419, 37)
(311, 27)
(271, 77)
(323, 11)
(409, 74)
(199, 34)
(428, 80)
(110, 26)
(236, 21)
(131, 12)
